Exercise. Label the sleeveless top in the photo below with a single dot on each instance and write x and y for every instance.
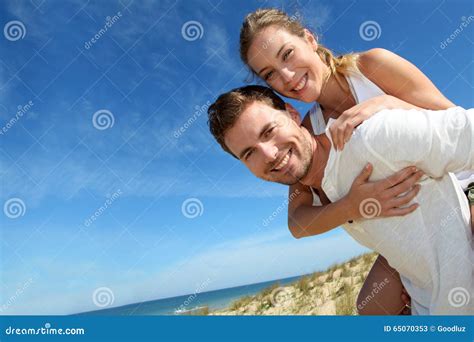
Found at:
(363, 89)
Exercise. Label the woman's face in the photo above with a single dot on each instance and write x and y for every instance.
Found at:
(288, 63)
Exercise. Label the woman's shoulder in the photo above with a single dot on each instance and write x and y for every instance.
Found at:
(375, 54)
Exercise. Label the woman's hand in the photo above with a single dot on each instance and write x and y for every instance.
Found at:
(341, 130)
(386, 197)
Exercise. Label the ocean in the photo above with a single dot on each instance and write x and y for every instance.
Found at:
(217, 299)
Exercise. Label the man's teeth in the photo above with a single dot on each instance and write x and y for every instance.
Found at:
(301, 84)
(283, 162)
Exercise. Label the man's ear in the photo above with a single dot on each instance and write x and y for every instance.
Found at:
(295, 115)
(311, 39)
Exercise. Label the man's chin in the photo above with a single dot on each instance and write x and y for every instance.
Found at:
(287, 181)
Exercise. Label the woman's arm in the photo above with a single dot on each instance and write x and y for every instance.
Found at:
(405, 86)
(390, 297)
(398, 77)
(304, 219)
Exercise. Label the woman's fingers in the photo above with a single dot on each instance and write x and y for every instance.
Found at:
(341, 130)
(364, 175)
(406, 198)
(352, 124)
(405, 185)
(398, 177)
(400, 211)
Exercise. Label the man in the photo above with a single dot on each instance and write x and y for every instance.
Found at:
(430, 248)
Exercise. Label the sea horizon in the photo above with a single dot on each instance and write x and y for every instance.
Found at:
(214, 300)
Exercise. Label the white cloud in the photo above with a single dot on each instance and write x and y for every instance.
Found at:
(262, 257)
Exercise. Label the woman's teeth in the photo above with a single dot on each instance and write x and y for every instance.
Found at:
(301, 84)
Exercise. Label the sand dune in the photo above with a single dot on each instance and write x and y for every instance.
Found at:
(331, 292)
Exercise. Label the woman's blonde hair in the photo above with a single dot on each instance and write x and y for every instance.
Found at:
(262, 18)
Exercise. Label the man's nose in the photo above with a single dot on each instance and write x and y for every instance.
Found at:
(269, 151)
(287, 74)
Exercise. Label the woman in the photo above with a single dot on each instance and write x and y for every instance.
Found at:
(349, 88)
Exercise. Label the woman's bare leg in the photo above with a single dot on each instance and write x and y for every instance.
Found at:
(382, 292)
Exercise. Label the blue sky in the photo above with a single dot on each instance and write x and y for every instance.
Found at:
(153, 80)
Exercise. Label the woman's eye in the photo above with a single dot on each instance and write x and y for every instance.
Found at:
(268, 76)
(287, 54)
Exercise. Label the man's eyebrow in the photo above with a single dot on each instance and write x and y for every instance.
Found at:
(278, 53)
(264, 129)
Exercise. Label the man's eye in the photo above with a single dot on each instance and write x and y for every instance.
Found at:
(287, 54)
(267, 133)
(248, 154)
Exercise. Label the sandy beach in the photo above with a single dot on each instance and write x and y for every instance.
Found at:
(330, 292)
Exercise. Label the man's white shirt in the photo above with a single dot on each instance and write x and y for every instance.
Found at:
(431, 248)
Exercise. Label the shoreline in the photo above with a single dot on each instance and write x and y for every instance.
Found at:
(330, 292)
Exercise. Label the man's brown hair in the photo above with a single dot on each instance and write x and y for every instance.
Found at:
(223, 113)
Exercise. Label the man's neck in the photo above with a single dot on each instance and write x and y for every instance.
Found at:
(321, 147)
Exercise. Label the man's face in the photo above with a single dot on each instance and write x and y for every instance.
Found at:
(271, 143)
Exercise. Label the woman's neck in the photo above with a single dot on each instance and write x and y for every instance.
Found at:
(333, 97)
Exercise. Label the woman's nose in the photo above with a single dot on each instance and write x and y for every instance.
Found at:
(287, 74)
